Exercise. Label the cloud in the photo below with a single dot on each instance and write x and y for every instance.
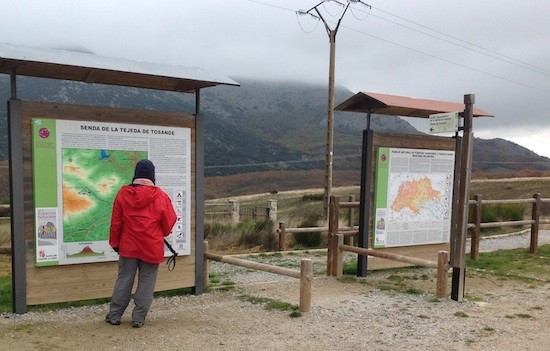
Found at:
(433, 49)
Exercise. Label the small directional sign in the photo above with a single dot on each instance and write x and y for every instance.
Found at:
(444, 122)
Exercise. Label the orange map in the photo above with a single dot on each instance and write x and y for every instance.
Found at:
(414, 194)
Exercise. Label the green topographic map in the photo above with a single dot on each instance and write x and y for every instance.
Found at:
(91, 180)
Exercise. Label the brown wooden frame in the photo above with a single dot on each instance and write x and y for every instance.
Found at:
(94, 280)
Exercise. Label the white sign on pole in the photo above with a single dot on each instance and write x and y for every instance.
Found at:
(444, 122)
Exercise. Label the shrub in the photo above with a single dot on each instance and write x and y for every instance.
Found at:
(309, 239)
(254, 234)
(217, 229)
(545, 209)
(5, 211)
(499, 213)
(345, 216)
(220, 236)
(313, 197)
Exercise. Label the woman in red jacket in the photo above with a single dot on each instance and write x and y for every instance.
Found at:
(142, 216)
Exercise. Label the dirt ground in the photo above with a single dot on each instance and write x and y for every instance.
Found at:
(497, 314)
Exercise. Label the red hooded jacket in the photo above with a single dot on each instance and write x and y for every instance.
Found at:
(142, 216)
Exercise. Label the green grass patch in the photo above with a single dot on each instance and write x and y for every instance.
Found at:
(461, 314)
(517, 263)
(350, 268)
(272, 304)
(214, 279)
(414, 291)
(434, 300)
(24, 327)
(5, 294)
(524, 315)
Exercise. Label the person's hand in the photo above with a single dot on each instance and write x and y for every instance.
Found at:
(116, 249)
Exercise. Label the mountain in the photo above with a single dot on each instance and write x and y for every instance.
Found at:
(262, 125)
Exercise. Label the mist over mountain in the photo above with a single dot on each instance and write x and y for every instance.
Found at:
(261, 125)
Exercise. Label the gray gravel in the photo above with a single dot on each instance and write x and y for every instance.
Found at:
(240, 275)
(510, 241)
(343, 316)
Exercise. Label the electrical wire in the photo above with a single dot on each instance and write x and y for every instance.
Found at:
(298, 14)
(449, 61)
(538, 69)
(474, 47)
(352, 9)
(509, 59)
(336, 14)
(271, 5)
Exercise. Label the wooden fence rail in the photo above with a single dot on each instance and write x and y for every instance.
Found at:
(534, 222)
(305, 274)
(475, 227)
(442, 264)
(233, 211)
(4, 207)
(350, 231)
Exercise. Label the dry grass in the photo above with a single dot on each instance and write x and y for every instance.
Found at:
(4, 182)
(5, 236)
(292, 208)
(274, 182)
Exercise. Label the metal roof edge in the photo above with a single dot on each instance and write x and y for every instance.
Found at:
(46, 58)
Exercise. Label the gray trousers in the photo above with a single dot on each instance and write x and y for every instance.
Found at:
(147, 277)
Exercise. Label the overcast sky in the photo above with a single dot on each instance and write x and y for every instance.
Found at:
(498, 50)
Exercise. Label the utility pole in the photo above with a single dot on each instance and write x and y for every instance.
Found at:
(330, 113)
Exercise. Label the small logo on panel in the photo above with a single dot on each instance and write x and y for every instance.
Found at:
(44, 133)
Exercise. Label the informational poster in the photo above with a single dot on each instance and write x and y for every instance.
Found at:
(78, 168)
(413, 197)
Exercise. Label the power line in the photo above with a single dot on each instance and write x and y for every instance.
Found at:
(271, 5)
(509, 59)
(449, 61)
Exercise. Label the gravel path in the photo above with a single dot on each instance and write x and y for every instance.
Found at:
(498, 314)
(510, 241)
(241, 275)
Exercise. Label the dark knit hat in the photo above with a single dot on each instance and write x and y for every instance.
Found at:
(145, 169)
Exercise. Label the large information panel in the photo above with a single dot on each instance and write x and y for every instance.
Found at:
(413, 197)
(78, 168)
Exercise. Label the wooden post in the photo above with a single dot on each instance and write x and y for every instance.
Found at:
(535, 215)
(282, 237)
(272, 210)
(366, 196)
(234, 210)
(351, 216)
(334, 209)
(458, 242)
(390, 256)
(442, 268)
(339, 266)
(306, 277)
(476, 232)
(205, 266)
